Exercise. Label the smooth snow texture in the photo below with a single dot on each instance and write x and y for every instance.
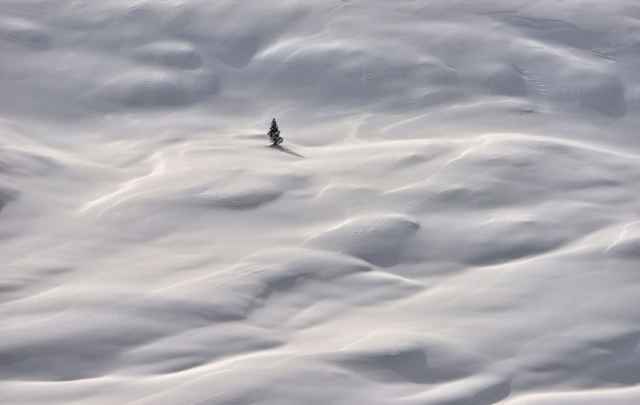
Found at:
(452, 219)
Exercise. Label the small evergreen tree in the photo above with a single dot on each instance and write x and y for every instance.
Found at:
(274, 133)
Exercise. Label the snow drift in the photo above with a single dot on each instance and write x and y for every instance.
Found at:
(452, 218)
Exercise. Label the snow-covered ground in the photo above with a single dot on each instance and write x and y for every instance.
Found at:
(453, 218)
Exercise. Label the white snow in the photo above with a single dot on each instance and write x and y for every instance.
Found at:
(452, 219)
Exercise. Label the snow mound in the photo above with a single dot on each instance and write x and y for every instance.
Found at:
(613, 396)
(94, 347)
(148, 89)
(394, 357)
(178, 55)
(23, 163)
(24, 33)
(378, 239)
(241, 197)
(452, 218)
(196, 348)
(297, 284)
(509, 239)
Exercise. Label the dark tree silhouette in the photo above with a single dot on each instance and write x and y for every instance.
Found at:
(274, 133)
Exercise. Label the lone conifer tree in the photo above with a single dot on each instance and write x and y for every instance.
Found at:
(274, 133)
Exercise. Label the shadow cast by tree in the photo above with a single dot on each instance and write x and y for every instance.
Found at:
(286, 150)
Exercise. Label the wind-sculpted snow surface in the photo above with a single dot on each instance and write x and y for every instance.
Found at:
(452, 219)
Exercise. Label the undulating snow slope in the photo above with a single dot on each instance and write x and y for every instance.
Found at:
(453, 218)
